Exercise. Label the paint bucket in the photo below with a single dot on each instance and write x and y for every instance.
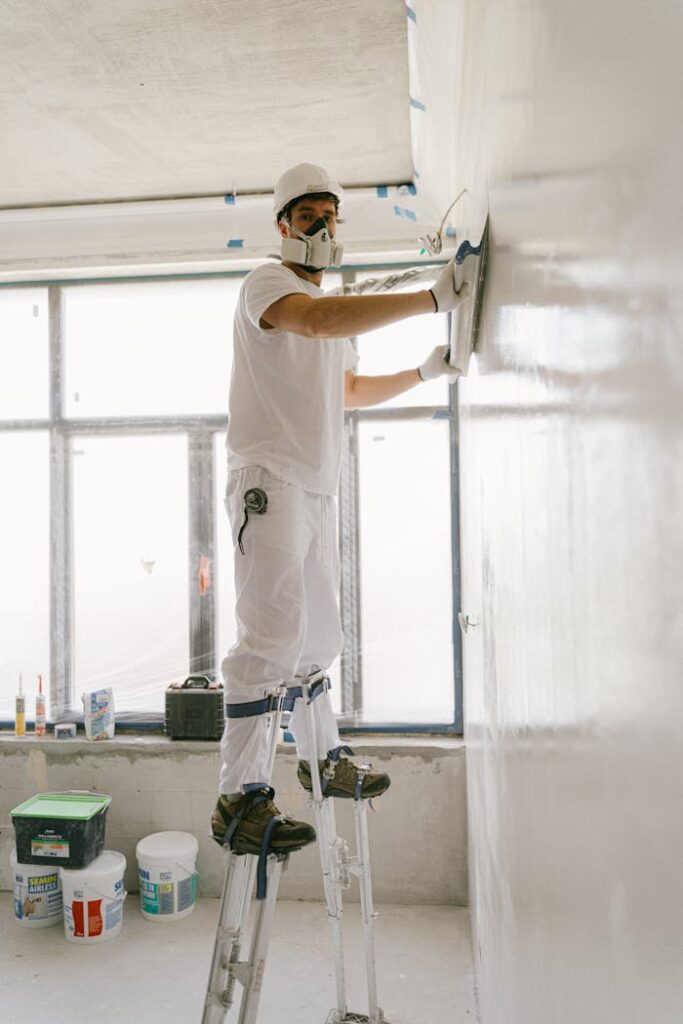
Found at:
(37, 894)
(93, 898)
(168, 881)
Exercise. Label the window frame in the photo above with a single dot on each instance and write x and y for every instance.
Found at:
(200, 430)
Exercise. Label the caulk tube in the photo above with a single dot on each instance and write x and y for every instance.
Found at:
(20, 712)
(40, 709)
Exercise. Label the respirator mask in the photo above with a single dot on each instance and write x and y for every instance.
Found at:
(313, 251)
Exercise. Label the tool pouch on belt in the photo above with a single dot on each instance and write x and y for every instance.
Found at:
(255, 503)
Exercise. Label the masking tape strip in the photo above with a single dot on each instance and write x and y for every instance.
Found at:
(411, 13)
(235, 243)
(400, 211)
(407, 190)
(382, 191)
(230, 200)
(418, 104)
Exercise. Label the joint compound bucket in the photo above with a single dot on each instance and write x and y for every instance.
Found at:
(37, 894)
(168, 881)
(93, 898)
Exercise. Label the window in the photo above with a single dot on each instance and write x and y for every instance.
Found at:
(24, 364)
(25, 561)
(160, 348)
(405, 535)
(115, 544)
(130, 593)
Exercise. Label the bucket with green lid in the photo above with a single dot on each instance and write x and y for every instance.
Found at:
(60, 828)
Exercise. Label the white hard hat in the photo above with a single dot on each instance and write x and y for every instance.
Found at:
(303, 180)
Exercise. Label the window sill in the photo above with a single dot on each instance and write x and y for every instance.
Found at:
(366, 743)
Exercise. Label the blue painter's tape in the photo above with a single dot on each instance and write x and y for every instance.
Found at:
(235, 243)
(411, 13)
(407, 190)
(451, 232)
(230, 200)
(401, 211)
(382, 191)
(418, 104)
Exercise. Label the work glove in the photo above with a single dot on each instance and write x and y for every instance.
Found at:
(443, 290)
(436, 365)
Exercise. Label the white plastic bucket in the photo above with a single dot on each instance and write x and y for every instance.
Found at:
(168, 881)
(37, 894)
(93, 898)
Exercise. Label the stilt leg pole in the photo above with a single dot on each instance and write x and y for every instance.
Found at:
(252, 974)
(360, 810)
(331, 853)
(337, 866)
(226, 966)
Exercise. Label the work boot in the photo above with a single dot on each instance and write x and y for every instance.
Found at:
(247, 819)
(343, 778)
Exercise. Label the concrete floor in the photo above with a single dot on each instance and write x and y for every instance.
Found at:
(152, 972)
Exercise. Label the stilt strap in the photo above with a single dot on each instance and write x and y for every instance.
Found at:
(327, 774)
(261, 875)
(260, 795)
(276, 702)
(319, 686)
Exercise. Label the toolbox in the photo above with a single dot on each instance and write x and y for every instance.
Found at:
(60, 828)
(194, 710)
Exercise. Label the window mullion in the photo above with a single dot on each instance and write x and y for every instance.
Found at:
(202, 638)
(454, 437)
(61, 524)
(349, 592)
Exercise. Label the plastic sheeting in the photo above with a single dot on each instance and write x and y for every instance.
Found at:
(229, 231)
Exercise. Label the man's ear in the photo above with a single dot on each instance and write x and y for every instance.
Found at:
(282, 228)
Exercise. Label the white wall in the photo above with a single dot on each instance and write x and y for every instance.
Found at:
(418, 834)
(571, 465)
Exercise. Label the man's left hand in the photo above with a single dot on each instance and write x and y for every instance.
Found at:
(436, 365)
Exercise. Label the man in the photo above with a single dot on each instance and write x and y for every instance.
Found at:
(293, 375)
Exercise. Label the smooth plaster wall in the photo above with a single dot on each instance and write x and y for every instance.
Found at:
(571, 497)
(418, 833)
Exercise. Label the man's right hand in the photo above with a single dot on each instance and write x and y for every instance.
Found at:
(443, 290)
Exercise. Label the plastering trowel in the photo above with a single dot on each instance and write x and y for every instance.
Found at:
(469, 266)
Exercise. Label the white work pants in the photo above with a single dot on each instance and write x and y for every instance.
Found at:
(287, 612)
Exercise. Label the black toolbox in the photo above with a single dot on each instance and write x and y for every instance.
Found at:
(194, 710)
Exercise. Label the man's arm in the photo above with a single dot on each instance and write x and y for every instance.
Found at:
(363, 391)
(332, 316)
(343, 316)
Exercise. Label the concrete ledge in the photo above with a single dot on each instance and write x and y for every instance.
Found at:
(418, 833)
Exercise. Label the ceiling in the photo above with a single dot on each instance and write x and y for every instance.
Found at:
(112, 100)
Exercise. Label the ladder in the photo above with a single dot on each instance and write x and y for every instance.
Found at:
(338, 868)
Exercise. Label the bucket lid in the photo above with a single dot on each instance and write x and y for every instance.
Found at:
(109, 862)
(74, 806)
(160, 846)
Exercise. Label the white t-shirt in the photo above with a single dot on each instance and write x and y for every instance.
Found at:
(287, 391)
